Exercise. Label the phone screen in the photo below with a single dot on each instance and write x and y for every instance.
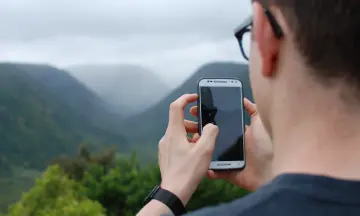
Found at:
(223, 106)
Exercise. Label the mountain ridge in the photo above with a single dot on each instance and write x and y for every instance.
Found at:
(36, 125)
(62, 84)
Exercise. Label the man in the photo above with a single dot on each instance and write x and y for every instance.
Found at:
(305, 75)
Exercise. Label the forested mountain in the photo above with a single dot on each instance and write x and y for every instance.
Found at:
(45, 113)
(81, 99)
(129, 89)
(147, 128)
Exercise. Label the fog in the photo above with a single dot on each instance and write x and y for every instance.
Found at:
(171, 37)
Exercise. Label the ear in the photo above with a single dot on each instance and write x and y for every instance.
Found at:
(268, 44)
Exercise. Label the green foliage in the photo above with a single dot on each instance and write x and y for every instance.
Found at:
(122, 188)
(53, 195)
(76, 167)
(112, 188)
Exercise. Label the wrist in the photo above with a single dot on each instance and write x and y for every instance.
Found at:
(261, 181)
(183, 192)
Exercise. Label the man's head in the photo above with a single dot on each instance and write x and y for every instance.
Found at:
(316, 56)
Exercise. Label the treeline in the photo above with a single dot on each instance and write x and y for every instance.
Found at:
(101, 184)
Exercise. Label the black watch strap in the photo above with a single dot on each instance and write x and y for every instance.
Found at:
(169, 199)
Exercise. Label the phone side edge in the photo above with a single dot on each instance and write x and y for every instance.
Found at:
(243, 124)
(198, 105)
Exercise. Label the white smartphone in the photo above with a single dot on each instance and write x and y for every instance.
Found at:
(220, 102)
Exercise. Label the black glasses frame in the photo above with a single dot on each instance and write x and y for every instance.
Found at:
(246, 26)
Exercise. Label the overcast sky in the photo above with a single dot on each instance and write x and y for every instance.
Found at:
(172, 37)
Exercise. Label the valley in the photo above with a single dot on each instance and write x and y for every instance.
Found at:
(128, 89)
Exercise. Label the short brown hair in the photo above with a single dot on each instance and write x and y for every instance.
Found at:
(327, 34)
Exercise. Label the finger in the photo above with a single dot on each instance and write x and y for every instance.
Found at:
(250, 107)
(195, 138)
(218, 175)
(176, 112)
(194, 111)
(208, 138)
(191, 126)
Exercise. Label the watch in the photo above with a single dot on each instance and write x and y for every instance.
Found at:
(168, 198)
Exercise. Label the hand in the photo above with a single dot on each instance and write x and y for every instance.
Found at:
(183, 161)
(259, 154)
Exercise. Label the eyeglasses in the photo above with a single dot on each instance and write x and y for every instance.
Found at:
(243, 33)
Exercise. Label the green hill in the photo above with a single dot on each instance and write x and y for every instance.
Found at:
(39, 122)
(82, 100)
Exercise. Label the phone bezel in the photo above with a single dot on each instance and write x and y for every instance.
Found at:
(224, 82)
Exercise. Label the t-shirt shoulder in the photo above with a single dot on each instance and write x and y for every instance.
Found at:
(241, 206)
(295, 195)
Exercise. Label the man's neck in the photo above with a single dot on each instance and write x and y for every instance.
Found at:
(319, 140)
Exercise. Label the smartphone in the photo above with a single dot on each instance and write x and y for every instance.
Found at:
(220, 102)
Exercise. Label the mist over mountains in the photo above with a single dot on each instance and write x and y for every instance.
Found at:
(128, 89)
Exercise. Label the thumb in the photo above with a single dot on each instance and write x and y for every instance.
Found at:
(208, 137)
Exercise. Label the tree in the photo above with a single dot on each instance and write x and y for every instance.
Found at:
(121, 185)
(54, 194)
(123, 188)
(75, 167)
(113, 188)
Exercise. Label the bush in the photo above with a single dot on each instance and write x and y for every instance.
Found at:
(123, 188)
(100, 189)
(54, 194)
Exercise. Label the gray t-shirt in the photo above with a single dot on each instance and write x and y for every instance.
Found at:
(295, 195)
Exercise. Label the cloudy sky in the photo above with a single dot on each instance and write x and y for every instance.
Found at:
(172, 37)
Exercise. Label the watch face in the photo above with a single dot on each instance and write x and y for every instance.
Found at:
(151, 194)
